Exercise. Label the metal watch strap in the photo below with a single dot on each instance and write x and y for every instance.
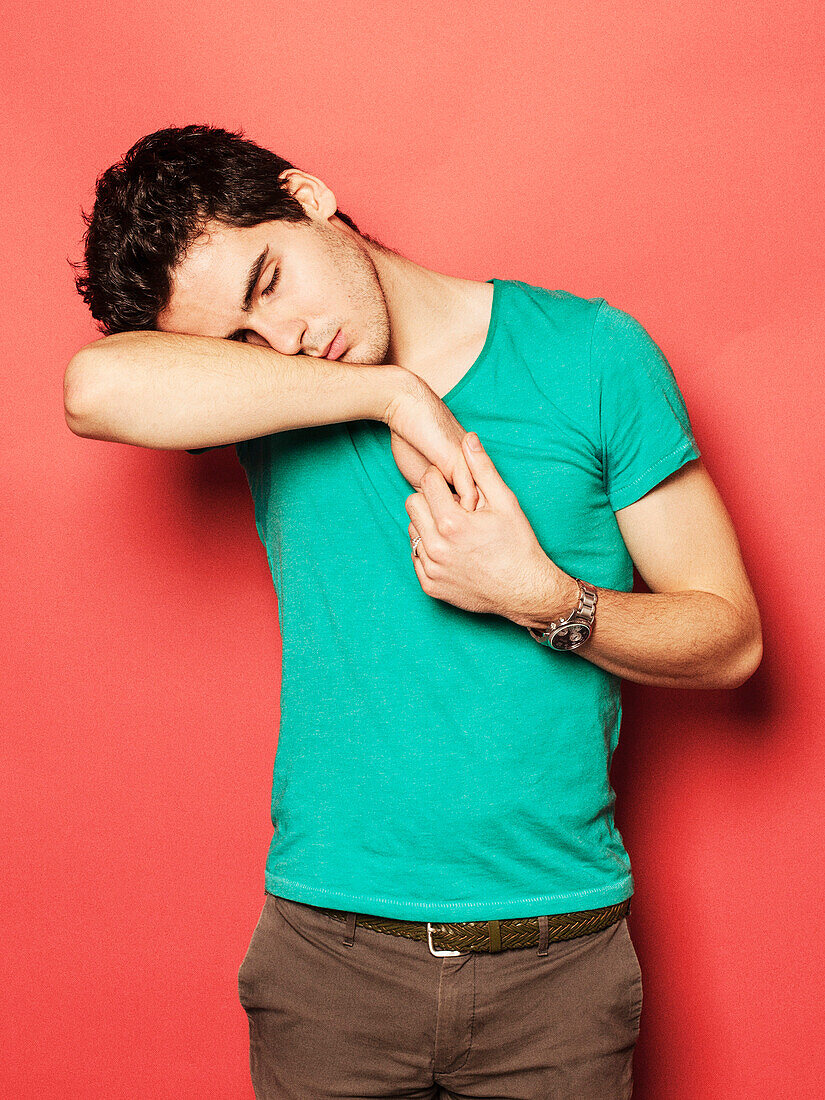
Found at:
(573, 631)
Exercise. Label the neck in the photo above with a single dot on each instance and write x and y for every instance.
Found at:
(438, 323)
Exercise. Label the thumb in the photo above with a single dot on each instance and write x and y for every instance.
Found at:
(486, 476)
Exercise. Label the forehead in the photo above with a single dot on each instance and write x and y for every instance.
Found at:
(208, 284)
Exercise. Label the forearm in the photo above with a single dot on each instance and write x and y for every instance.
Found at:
(671, 639)
(175, 391)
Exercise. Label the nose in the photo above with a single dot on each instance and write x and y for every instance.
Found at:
(284, 337)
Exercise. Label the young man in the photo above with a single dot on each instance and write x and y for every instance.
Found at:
(446, 890)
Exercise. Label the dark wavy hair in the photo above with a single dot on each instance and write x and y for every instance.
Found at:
(153, 204)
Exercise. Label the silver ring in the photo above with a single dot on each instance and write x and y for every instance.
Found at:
(414, 544)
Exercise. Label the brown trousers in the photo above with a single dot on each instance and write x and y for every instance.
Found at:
(382, 1017)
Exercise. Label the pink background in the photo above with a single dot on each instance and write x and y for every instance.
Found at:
(665, 156)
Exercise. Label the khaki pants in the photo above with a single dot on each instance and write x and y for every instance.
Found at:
(382, 1017)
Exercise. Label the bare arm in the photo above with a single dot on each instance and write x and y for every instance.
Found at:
(171, 391)
(177, 392)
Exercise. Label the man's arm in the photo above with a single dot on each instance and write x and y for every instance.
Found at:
(699, 627)
(183, 392)
(174, 391)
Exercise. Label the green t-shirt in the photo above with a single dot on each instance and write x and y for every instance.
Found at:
(434, 763)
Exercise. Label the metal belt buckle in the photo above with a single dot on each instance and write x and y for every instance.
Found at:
(438, 954)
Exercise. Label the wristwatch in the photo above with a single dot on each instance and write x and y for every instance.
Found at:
(573, 631)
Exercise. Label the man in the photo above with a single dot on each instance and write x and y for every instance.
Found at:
(446, 890)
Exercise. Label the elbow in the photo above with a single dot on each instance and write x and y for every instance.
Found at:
(81, 383)
(748, 660)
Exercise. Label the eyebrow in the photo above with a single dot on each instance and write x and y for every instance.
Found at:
(251, 281)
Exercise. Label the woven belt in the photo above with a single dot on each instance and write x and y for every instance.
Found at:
(492, 935)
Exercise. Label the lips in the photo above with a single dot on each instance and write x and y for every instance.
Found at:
(335, 347)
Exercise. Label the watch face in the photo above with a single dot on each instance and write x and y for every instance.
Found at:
(570, 636)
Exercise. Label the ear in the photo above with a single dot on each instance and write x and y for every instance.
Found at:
(314, 195)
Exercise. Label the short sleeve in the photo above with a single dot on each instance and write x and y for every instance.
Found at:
(217, 447)
(645, 432)
(250, 454)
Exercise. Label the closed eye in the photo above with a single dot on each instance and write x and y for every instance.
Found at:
(271, 286)
(239, 336)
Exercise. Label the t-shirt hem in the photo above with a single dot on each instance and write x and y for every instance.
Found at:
(667, 465)
(533, 905)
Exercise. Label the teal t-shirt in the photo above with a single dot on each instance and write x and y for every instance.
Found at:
(433, 763)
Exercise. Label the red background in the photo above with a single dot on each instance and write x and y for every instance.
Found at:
(667, 157)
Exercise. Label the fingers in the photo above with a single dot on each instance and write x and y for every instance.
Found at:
(465, 485)
(489, 481)
(440, 499)
(420, 552)
(422, 522)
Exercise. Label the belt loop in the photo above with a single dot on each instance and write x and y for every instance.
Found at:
(544, 934)
(494, 933)
(352, 919)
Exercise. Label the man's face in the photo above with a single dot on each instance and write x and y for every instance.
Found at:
(325, 281)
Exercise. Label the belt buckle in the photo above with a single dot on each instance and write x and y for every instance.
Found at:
(438, 954)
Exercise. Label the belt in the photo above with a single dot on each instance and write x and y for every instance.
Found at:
(459, 937)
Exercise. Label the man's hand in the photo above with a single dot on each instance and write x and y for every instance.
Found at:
(424, 432)
(487, 560)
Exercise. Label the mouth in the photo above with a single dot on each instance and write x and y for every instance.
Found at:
(335, 347)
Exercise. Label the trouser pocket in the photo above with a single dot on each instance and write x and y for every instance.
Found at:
(256, 972)
(636, 994)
